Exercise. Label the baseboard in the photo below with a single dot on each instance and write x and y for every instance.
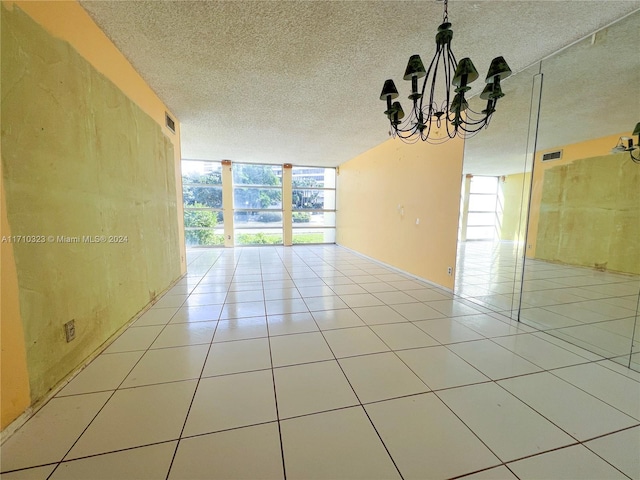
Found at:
(399, 270)
(35, 408)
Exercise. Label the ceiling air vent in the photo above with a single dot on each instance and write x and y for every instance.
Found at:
(171, 124)
(547, 157)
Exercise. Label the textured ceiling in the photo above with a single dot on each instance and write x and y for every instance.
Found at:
(299, 81)
(589, 90)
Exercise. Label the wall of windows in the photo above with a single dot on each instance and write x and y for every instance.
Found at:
(480, 209)
(258, 212)
(313, 205)
(202, 194)
(257, 204)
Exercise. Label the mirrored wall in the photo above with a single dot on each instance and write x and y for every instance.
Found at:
(495, 193)
(564, 256)
(582, 268)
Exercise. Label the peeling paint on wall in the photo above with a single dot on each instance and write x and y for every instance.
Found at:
(90, 179)
(590, 214)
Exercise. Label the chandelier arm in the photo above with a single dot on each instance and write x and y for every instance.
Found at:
(447, 74)
(470, 134)
(450, 65)
(474, 112)
(481, 117)
(472, 122)
(433, 81)
(409, 124)
(450, 133)
(426, 77)
(465, 127)
(408, 138)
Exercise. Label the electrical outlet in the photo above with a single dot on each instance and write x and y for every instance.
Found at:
(449, 271)
(70, 330)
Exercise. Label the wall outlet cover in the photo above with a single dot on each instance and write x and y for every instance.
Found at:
(70, 330)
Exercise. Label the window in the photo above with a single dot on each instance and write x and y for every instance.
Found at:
(482, 221)
(202, 198)
(257, 201)
(314, 205)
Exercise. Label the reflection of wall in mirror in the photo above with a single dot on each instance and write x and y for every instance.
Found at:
(585, 208)
(514, 197)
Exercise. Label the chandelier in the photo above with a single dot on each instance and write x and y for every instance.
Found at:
(427, 116)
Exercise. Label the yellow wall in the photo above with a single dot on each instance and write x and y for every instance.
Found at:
(68, 21)
(589, 203)
(14, 378)
(85, 150)
(515, 198)
(382, 193)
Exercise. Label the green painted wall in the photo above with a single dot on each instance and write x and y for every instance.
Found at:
(590, 214)
(515, 200)
(80, 159)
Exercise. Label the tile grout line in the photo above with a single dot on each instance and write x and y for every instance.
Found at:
(313, 268)
(195, 390)
(335, 358)
(273, 380)
(63, 459)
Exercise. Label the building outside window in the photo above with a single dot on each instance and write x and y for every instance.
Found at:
(257, 204)
(314, 205)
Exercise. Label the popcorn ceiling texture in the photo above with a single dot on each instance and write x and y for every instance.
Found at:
(298, 81)
(589, 91)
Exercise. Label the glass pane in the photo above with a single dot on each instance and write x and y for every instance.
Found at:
(210, 197)
(314, 235)
(482, 203)
(481, 219)
(502, 255)
(314, 199)
(251, 198)
(262, 175)
(199, 218)
(253, 219)
(262, 236)
(480, 233)
(209, 173)
(484, 185)
(314, 177)
(195, 237)
(314, 219)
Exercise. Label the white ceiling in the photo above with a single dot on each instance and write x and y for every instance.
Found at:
(299, 81)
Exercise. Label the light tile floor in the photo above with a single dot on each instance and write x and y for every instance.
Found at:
(312, 362)
(592, 309)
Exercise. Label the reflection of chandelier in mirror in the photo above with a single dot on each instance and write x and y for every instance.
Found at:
(455, 115)
(625, 144)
